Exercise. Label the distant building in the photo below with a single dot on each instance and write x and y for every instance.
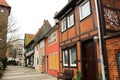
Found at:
(29, 50)
(52, 51)
(15, 51)
(39, 40)
(4, 13)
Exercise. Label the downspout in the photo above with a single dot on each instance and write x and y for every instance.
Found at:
(100, 41)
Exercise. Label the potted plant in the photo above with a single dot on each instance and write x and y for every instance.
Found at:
(79, 76)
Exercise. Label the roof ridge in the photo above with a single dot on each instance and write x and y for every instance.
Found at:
(4, 3)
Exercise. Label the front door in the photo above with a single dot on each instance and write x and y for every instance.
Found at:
(89, 61)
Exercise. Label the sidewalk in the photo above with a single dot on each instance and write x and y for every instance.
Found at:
(24, 73)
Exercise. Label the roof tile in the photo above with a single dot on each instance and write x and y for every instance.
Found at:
(4, 3)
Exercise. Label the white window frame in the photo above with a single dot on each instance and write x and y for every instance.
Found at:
(70, 20)
(42, 44)
(70, 54)
(63, 24)
(65, 52)
(52, 38)
(81, 13)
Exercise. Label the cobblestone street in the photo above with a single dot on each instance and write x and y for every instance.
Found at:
(24, 73)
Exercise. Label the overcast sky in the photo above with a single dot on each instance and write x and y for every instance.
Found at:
(30, 14)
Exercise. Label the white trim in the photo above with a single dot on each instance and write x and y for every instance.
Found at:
(62, 23)
(71, 56)
(81, 11)
(65, 52)
(68, 19)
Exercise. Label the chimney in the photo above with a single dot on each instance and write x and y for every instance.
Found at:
(56, 20)
(69, 0)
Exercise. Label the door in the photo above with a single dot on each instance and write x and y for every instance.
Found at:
(89, 61)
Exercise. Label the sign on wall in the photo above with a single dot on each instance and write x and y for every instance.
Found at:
(112, 19)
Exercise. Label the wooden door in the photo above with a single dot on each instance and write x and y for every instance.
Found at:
(89, 61)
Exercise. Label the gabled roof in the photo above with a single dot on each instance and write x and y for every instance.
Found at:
(4, 3)
(46, 27)
(68, 6)
(28, 38)
(55, 27)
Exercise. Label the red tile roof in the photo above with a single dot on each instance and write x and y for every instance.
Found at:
(4, 3)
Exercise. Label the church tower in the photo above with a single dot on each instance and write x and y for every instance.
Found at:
(4, 14)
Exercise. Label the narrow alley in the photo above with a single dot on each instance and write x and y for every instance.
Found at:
(23, 73)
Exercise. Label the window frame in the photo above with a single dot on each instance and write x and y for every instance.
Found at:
(62, 24)
(81, 11)
(68, 20)
(64, 58)
(52, 38)
(75, 64)
(42, 44)
(69, 57)
(118, 58)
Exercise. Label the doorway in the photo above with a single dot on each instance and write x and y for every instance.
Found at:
(89, 68)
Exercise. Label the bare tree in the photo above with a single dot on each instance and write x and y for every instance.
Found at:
(12, 30)
(8, 31)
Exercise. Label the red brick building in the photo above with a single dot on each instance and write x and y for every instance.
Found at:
(4, 13)
(79, 24)
(52, 51)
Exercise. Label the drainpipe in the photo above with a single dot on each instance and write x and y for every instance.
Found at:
(100, 41)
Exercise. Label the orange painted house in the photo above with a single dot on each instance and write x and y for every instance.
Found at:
(79, 23)
(52, 51)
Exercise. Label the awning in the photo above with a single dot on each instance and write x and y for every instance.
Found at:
(29, 53)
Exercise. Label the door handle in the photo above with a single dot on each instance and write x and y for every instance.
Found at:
(86, 66)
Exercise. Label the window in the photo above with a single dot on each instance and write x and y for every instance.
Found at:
(36, 48)
(63, 23)
(73, 59)
(53, 61)
(70, 20)
(67, 22)
(42, 44)
(52, 38)
(65, 58)
(84, 10)
(69, 57)
(118, 59)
